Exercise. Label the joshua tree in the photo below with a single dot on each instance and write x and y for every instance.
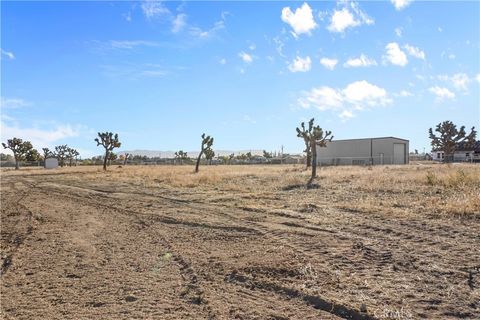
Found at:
(112, 157)
(449, 137)
(231, 157)
(317, 137)
(109, 141)
(181, 156)
(125, 158)
(32, 155)
(19, 148)
(71, 154)
(305, 135)
(209, 154)
(249, 156)
(61, 152)
(267, 155)
(207, 142)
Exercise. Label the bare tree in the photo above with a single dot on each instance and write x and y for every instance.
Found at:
(449, 137)
(207, 143)
(109, 141)
(19, 148)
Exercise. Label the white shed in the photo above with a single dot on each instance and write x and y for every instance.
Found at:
(51, 163)
(384, 150)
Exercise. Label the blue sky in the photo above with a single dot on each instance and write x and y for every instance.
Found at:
(162, 73)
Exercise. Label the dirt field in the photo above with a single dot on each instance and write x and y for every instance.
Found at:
(241, 242)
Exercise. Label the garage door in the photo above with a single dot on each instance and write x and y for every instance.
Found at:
(398, 153)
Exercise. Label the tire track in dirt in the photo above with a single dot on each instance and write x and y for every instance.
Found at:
(386, 232)
(192, 293)
(208, 209)
(16, 208)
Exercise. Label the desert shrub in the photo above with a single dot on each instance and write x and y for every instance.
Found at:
(431, 178)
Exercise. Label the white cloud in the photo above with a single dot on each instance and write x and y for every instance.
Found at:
(365, 93)
(362, 61)
(13, 103)
(442, 93)
(395, 55)
(223, 61)
(346, 114)
(300, 64)
(252, 47)
(135, 71)
(478, 77)
(205, 34)
(40, 138)
(414, 52)
(345, 102)
(8, 54)
(398, 32)
(459, 81)
(451, 56)
(154, 8)
(301, 20)
(348, 18)
(440, 29)
(245, 57)
(401, 4)
(404, 94)
(329, 63)
(322, 98)
(131, 44)
(179, 22)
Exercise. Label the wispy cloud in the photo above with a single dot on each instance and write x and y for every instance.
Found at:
(414, 51)
(459, 81)
(441, 93)
(247, 58)
(179, 22)
(13, 103)
(154, 9)
(135, 71)
(7, 54)
(132, 44)
(362, 61)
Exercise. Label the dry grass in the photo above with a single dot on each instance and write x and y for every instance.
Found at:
(400, 190)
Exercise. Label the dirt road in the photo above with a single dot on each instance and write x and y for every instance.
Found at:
(80, 248)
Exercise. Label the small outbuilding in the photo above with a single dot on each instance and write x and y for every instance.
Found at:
(51, 163)
(368, 151)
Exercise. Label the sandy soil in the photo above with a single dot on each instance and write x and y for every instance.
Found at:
(254, 244)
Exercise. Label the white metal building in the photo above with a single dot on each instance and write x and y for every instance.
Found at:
(385, 150)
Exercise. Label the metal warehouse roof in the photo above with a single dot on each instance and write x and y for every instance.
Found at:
(378, 138)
